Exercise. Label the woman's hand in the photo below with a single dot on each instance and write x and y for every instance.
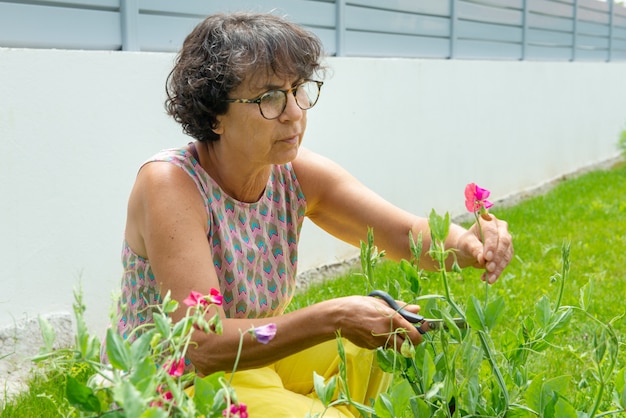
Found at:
(495, 253)
(370, 323)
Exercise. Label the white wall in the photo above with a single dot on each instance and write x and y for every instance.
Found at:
(76, 125)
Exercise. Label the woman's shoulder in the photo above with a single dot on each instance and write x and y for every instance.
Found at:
(311, 167)
(177, 156)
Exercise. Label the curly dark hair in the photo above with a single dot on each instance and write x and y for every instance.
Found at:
(221, 52)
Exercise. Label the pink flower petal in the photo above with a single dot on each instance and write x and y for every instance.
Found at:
(482, 194)
(240, 410)
(193, 299)
(176, 368)
(215, 297)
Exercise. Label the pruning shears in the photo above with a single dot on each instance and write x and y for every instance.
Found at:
(422, 324)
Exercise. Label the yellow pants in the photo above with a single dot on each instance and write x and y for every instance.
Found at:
(285, 388)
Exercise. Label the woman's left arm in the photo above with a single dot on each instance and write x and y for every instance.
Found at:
(340, 204)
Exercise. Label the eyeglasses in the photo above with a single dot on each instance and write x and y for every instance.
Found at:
(273, 103)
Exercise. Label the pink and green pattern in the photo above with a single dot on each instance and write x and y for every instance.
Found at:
(254, 248)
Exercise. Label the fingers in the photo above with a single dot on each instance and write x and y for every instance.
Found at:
(497, 247)
(393, 328)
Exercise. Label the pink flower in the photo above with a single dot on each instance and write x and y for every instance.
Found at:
(476, 198)
(215, 297)
(240, 409)
(175, 368)
(196, 298)
(165, 397)
(265, 333)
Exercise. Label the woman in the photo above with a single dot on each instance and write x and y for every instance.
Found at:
(225, 212)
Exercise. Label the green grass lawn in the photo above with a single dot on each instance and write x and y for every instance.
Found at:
(588, 211)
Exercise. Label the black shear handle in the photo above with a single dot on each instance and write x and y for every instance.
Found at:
(409, 316)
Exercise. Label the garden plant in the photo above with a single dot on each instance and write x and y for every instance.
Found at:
(461, 372)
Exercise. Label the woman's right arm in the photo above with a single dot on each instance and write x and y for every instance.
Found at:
(167, 224)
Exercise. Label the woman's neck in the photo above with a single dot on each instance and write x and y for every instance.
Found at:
(239, 180)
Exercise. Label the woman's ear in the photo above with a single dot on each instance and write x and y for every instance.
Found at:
(217, 127)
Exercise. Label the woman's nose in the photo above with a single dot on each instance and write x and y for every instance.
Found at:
(292, 110)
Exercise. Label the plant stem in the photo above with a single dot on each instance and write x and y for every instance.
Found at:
(482, 336)
(441, 252)
(232, 375)
(564, 272)
(603, 377)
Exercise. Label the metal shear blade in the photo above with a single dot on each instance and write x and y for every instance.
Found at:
(425, 324)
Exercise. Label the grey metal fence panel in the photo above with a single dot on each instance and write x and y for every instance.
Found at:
(489, 32)
(476, 29)
(549, 53)
(550, 23)
(369, 44)
(48, 25)
(390, 21)
(427, 7)
(470, 10)
(489, 29)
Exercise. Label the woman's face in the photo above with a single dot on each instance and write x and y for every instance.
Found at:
(250, 135)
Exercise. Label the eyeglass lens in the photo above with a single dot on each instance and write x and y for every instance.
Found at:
(273, 102)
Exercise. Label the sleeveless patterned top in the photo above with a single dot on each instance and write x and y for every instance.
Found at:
(254, 248)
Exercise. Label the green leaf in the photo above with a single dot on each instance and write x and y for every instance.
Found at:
(428, 370)
(163, 324)
(118, 350)
(533, 393)
(364, 410)
(182, 327)
(170, 306)
(420, 408)
(516, 411)
(564, 409)
(384, 406)
(543, 312)
(557, 384)
(167, 304)
(81, 396)
(472, 356)
(140, 348)
(205, 390)
(560, 322)
(451, 325)
(390, 361)
(543, 395)
(142, 375)
(416, 248)
(439, 226)
(599, 346)
(154, 412)
(585, 295)
(494, 312)
(324, 391)
(129, 399)
(411, 275)
(620, 387)
(48, 334)
(474, 314)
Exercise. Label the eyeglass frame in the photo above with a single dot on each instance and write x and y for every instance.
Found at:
(292, 90)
